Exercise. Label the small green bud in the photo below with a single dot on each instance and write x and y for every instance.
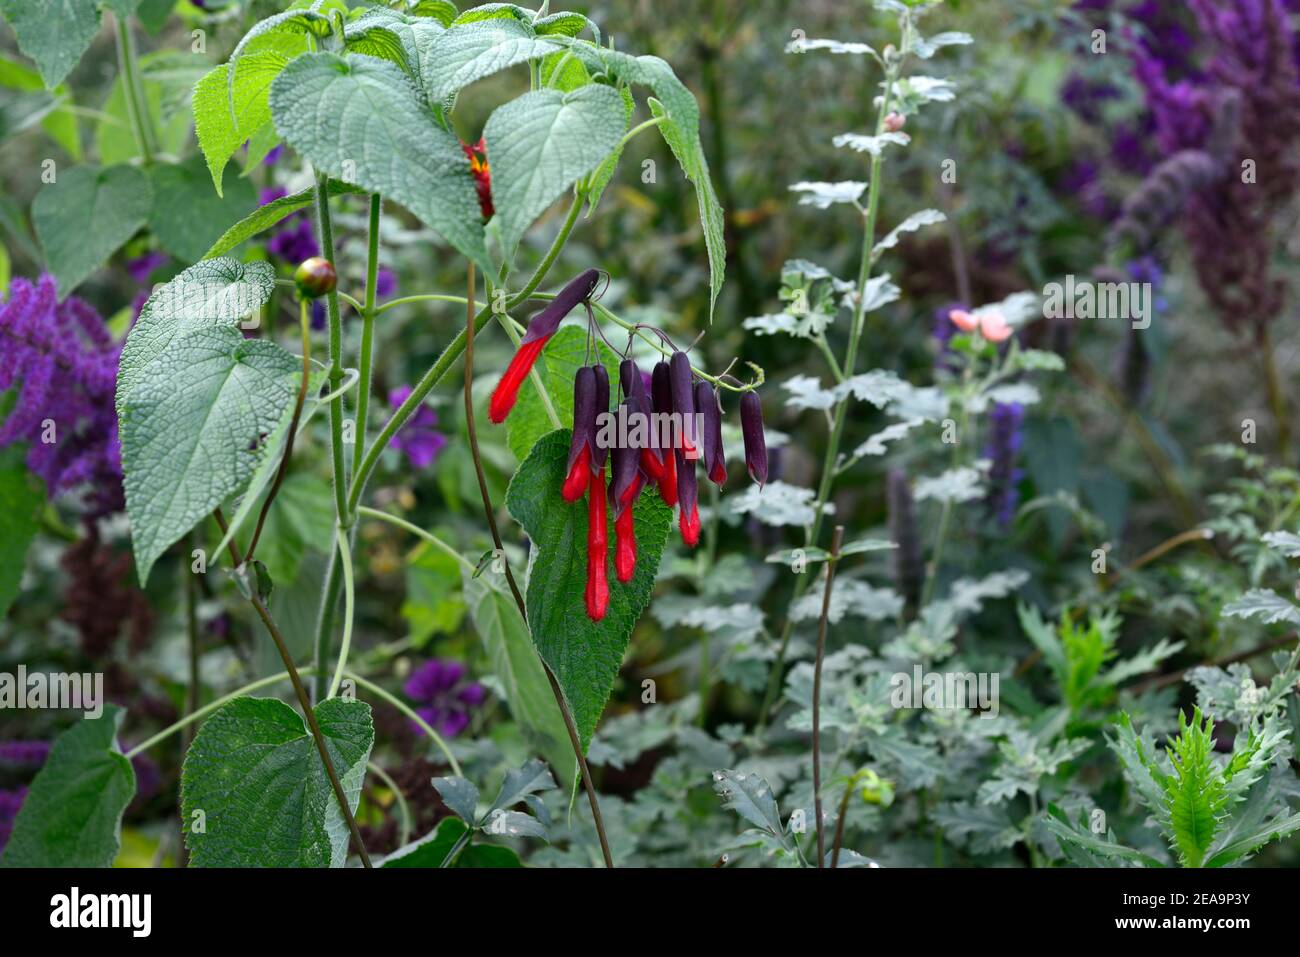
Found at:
(315, 277)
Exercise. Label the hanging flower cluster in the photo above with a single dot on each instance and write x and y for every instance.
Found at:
(654, 437)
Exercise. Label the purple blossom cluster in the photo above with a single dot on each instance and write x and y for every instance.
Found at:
(445, 697)
(1006, 436)
(418, 439)
(63, 363)
(295, 239)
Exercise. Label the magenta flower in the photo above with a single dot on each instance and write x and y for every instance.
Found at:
(445, 696)
(418, 440)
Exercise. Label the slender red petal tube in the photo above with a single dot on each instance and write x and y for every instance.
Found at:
(507, 390)
(540, 329)
(625, 546)
(597, 549)
(650, 464)
(579, 475)
(688, 500)
(688, 521)
(668, 483)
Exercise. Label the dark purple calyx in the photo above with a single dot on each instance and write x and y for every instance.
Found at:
(751, 427)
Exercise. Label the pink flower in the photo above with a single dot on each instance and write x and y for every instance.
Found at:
(963, 320)
(994, 327)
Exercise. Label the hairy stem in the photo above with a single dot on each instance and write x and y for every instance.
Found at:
(817, 694)
(490, 515)
(367, 335)
(136, 106)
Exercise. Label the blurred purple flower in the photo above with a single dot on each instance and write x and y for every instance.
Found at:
(418, 440)
(446, 698)
(295, 239)
(1005, 440)
(66, 362)
(142, 267)
(385, 282)
(28, 753)
(273, 155)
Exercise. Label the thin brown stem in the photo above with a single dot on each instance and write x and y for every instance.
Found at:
(817, 693)
(839, 826)
(488, 512)
(293, 428)
(303, 700)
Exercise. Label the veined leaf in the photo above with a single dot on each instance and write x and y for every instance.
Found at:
(584, 655)
(72, 816)
(361, 120)
(221, 132)
(254, 772)
(750, 796)
(471, 50)
(84, 216)
(1265, 605)
(54, 33)
(515, 663)
(540, 143)
(187, 214)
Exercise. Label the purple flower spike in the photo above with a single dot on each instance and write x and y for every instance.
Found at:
(751, 427)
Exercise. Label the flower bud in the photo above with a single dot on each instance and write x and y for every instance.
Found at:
(715, 464)
(751, 427)
(315, 277)
(895, 122)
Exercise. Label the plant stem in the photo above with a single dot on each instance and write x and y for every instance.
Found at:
(490, 515)
(336, 356)
(367, 335)
(403, 809)
(429, 537)
(831, 562)
(407, 710)
(841, 410)
(839, 825)
(449, 356)
(424, 297)
(136, 108)
(304, 323)
(308, 712)
(325, 621)
(349, 597)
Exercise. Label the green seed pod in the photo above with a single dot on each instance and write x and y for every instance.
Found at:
(315, 277)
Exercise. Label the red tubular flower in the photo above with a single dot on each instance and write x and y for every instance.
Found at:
(597, 595)
(683, 398)
(668, 483)
(688, 519)
(581, 460)
(482, 173)
(625, 545)
(639, 409)
(540, 329)
(661, 395)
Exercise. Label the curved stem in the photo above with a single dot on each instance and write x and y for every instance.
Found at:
(490, 515)
(367, 335)
(304, 323)
(325, 621)
(817, 694)
(410, 712)
(200, 713)
(345, 555)
(425, 297)
(403, 809)
(429, 537)
(336, 358)
(133, 92)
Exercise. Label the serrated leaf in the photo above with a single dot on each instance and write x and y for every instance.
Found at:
(825, 195)
(1288, 543)
(926, 217)
(221, 133)
(85, 215)
(53, 33)
(584, 655)
(432, 850)
(21, 499)
(264, 217)
(541, 143)
(515, 664)
(1264, 605)
(777, 503)
(72, 816)
(469, 51)
(187, 214)
(521, 782)
(750, 796)
(681, 131)
(255, 773)
(875, 145)
(362, 120)
(460, 795)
